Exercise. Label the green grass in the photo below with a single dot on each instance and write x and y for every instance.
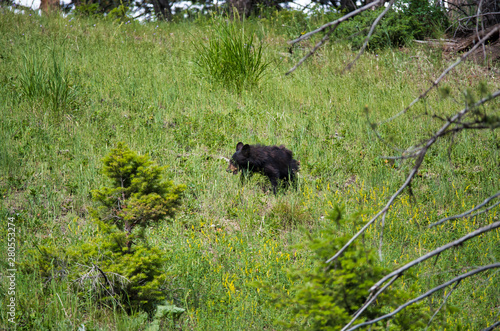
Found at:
(137, 83)
(231, 59)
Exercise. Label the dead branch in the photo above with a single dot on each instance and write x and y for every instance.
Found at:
(420, 153)
(444, 73)
(110, 291)
(493, 326)
(105, 278)
(482, 26)
(376, 290)
(442, 304)
(419, 157)
(381, 236)
(371, 298)
(369, 35)
(479, 37)
(94, 274)
(336, 22)
(468, 213)
(456, 120)
(427, 294)
(331, 26)
(478, 15)
(435, 252)
(312, 51)
(447, 44)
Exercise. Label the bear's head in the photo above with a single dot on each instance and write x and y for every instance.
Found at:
(240, 157)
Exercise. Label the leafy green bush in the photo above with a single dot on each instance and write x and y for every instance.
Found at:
(231, 57)
(118, 13)
(410, 20)
(87, 9)
(396, 29)
(429, 17)
(292, 23)
(326, 296)
(133, 276)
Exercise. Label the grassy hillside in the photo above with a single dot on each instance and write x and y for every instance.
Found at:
(137, 83)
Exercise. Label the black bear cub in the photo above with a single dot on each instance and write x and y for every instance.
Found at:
(275, 162)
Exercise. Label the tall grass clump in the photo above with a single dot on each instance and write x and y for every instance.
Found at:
(232, 58)
(47, 82)
(33, 77)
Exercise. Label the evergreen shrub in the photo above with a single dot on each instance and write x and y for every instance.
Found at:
(326, 296)
(117, 266)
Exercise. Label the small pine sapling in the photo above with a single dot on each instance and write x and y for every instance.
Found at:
(137, 197)
(325, 296)
(112, 267)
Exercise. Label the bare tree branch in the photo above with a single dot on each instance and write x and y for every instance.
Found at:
(372, 298)
(437, 251)
(420, 155)
(459, 8)
(493, 326)
(442, 304)
(482, 26)
(368, 36)
(381, 236)
(336, 22)
(478, 15)
(93, 274)
(474, 126)
(467, 213)
(312, 51)
(106, 279)
(376, 290)
(428, 293)
(331, 26)
(443, 74)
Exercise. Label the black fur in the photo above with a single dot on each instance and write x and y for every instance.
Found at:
(275, 162)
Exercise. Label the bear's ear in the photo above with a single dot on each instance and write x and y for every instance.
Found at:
(239, 146)
(245, 150)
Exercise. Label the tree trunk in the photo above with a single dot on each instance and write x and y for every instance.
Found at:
(347, 4)
(6, 2)
(163, 10)
(48, 6)
(240, 8)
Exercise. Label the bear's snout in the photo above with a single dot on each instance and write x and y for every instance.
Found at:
(232, 168)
